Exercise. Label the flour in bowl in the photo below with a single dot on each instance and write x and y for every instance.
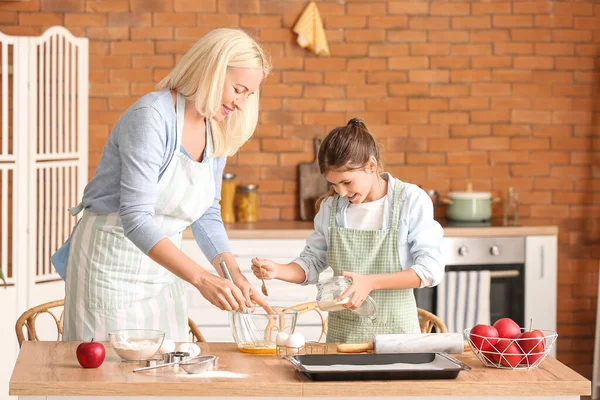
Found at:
(142, 349)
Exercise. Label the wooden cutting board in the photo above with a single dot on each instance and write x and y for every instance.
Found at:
(312, 185)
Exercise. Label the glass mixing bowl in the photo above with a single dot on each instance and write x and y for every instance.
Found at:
(136, 344)
(255, 331)
(330, 289)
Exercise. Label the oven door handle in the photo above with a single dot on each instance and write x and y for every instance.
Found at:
(509, 273)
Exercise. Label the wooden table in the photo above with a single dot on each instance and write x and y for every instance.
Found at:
(49, 370)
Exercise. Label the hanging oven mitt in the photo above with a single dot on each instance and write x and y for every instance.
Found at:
(310, 30)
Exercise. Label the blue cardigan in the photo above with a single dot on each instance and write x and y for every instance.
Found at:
(137, 153)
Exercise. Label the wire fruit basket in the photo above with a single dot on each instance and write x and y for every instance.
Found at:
(518, 353)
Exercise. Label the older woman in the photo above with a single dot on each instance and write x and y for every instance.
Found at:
(160, 172)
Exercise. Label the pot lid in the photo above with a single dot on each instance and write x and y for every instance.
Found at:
(470, 195)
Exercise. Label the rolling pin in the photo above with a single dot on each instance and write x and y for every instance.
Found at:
(409, 343)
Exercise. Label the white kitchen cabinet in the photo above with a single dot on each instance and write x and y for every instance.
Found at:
(540, 283)
(214, 323)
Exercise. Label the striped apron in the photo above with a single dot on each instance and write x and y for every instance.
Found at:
(110, 283)
(370, 252)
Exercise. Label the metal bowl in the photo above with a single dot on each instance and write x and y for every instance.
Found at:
(200, 364)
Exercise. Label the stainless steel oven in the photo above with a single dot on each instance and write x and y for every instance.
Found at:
(504, 257)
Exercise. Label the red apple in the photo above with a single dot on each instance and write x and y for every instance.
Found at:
(91, 354)
(507, 328)
(533, 345)
(509, 354)
(484, 337)
(493, 356)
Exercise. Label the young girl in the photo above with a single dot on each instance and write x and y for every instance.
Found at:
(372, 228)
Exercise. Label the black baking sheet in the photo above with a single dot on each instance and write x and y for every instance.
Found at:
(350, 367)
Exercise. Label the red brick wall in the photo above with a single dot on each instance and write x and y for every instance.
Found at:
(495, 93)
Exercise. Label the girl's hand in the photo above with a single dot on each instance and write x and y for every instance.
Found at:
(358, 291)
(269, 268)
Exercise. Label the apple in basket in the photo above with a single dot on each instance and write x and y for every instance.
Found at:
(532, 343)
(509, 354)
(484, 337)
(507, 328)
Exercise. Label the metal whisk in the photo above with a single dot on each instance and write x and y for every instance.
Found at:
(247, 324)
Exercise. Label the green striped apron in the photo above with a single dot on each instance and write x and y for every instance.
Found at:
(370, 252)
(110, 283)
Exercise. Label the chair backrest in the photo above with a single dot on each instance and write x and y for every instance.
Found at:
(28, 318)
(312, 306)
(195, 331)
(429, 321)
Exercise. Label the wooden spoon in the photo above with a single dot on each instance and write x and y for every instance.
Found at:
(263, 288)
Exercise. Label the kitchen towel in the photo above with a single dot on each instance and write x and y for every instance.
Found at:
(463, 299)
(310, 30)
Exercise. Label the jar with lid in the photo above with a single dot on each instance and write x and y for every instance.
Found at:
(227, 198)
(246, 203)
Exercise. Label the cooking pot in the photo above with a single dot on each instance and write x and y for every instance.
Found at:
(469, 206)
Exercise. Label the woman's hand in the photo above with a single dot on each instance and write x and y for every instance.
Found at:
(358, 291)
(220, 292)
(252, 296)
(269, 268)
(246, 289)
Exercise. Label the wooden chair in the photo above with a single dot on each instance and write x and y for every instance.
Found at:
(28, 318)
(312, 306)
(195, 332)
(429, 321)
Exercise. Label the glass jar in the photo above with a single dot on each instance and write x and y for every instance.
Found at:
(227, 198)
(330, 289)
(511, 209)
(246, 203)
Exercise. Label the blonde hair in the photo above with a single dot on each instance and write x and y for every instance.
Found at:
(200, 77)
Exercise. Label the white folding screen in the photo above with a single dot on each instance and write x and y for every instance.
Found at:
(58, 140)
(43, 148)
(9, 144)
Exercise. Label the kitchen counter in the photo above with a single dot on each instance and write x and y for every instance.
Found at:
(301, 229)
(51, 369)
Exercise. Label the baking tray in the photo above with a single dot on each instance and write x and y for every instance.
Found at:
(351, 367)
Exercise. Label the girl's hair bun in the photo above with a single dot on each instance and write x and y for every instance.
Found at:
(354, 121)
